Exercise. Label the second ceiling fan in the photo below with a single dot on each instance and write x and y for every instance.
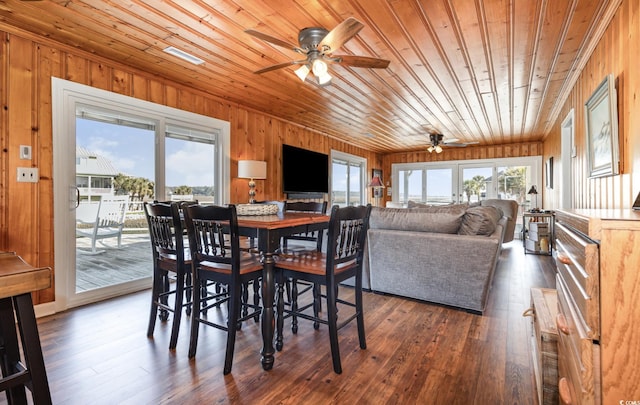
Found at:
(437, 141)
(318, 45)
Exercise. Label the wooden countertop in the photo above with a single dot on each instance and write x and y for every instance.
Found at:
(17, 277)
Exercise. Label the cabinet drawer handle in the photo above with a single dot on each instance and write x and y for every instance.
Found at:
(529, 312)
(561, 323)
(564, 391)
(564, 258)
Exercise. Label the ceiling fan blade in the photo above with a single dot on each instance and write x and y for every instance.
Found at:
(451, 140)
(362, 61)
(460, 144)
(340, 34)
(275, 41)
(280, 66)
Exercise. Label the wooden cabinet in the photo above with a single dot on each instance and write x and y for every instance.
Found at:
(598, 284)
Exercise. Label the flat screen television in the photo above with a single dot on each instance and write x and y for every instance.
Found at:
(304, 171)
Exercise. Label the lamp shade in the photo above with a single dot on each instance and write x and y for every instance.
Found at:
(532, 190)
(376, 182)
(252, 169)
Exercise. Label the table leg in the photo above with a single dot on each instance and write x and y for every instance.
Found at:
(268, 320)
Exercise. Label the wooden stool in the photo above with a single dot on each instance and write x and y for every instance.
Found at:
(17, 281)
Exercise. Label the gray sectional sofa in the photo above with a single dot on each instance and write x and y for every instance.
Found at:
(441, 254)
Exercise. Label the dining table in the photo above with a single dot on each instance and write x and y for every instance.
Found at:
(269, 230)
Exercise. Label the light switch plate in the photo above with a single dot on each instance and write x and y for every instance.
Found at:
(28, 175)
(25, 152)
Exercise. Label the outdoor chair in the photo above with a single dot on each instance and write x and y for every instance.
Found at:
(102, 220)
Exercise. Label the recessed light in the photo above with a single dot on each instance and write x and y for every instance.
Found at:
(183, 55)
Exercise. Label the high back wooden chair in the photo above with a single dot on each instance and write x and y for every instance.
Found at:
(309, 241)
(170, 259)
(216, 256)
(313, 237)
(343, 260)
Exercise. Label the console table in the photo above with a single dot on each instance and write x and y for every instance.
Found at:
(17, 281)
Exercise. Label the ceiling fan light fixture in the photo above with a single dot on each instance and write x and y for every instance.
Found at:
(431, 149)
(302, 72)
(319, 68)
(321, 72)
(324, 80)
(438, 149)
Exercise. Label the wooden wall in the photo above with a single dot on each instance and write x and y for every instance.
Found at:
(453, 153)
(616, 53)
(27, 64)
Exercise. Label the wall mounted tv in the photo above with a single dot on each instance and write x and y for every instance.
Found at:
(304, 172)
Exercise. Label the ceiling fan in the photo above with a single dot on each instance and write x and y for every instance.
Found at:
(437, 141)
(317, 45)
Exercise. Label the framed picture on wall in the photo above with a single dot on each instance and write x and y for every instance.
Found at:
(601, 113)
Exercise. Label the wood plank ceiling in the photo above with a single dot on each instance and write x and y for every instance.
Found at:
(492, 71)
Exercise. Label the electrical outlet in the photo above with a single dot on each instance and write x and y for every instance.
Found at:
(28, 175)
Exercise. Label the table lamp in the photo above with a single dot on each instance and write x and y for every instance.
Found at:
(376, 184)
(252, 170)
(534, 191)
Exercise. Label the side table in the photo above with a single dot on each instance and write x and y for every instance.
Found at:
(17, 281)
(537, 232)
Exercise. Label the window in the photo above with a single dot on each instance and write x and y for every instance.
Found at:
(347, 179)
(466, 181)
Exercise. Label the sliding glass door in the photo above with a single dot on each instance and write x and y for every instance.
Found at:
(469, 181)
(122, 152)
(426, 185)
(476, 183)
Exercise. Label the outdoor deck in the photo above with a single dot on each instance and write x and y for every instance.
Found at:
(113, 266)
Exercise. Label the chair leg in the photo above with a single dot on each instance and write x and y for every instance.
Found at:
(332, 318)
(256, 297)
(155, 293)
(317, 298)
(294, 305)
(188, 291)
(177, 311)
(280, 312)
(360, 315)
(195, 319)
(245, 298)
(164, 314)
(232, 323)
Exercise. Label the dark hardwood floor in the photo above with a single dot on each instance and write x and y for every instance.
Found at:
(416, 353)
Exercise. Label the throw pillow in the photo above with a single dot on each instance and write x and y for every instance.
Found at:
(480, 221)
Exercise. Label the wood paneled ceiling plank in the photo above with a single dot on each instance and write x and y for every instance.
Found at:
(560, 18)
(494, 71)
(598, 20)
(429, 101)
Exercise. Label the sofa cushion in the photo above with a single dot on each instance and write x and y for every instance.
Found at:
(413, 204)
(438, 219)
(480, 220)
